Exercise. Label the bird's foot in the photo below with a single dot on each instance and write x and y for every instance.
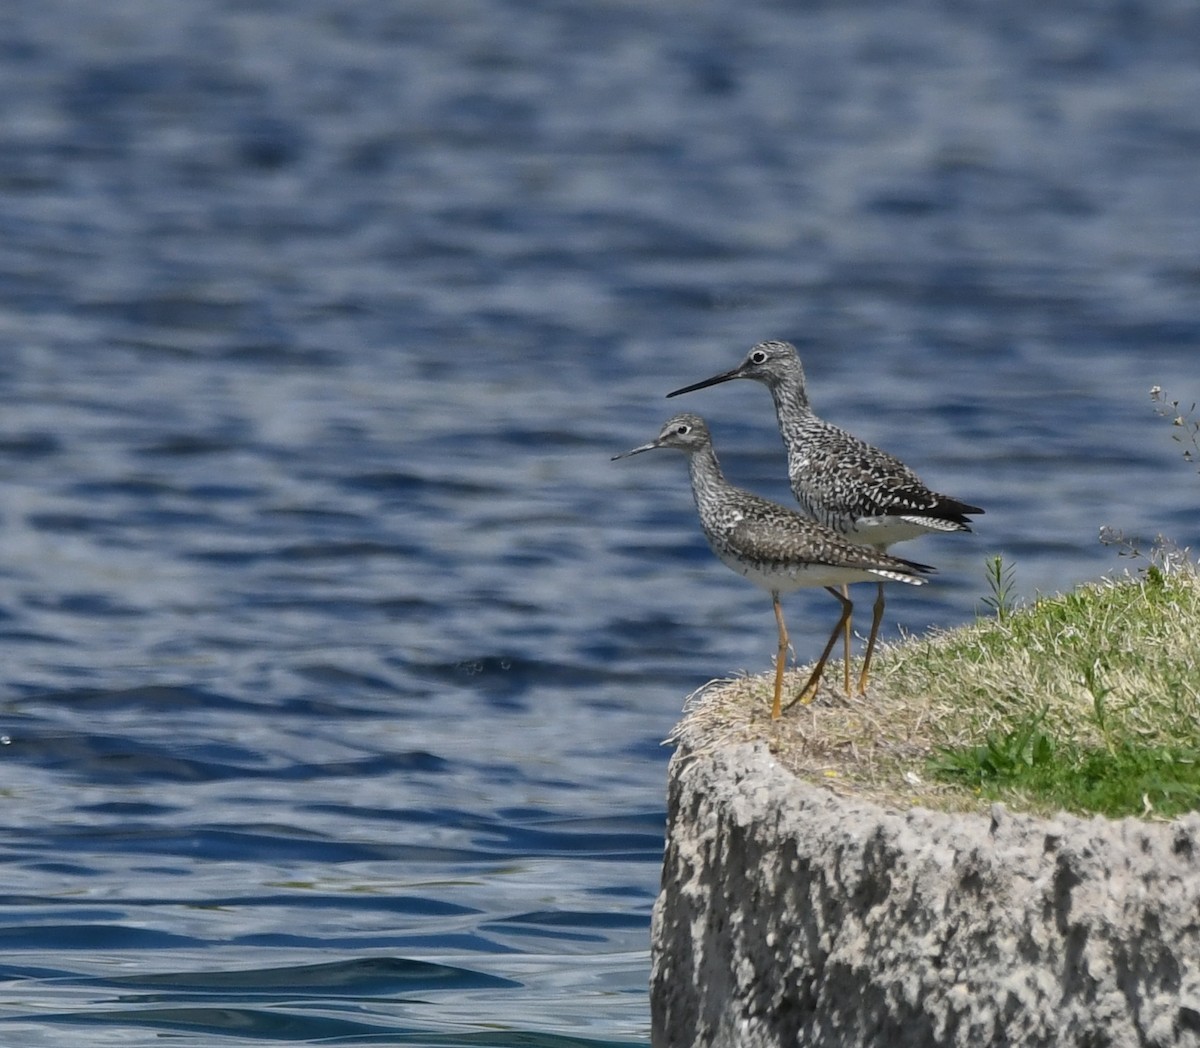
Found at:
(805, 697)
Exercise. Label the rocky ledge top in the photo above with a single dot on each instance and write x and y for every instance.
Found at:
(790, 915)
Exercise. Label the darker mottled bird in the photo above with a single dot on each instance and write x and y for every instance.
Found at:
(856, 489)
(773, 546)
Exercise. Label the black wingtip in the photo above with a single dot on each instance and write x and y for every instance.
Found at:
(958, 512)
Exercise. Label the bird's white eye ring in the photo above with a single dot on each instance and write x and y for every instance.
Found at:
(682, 429)
(758, 357)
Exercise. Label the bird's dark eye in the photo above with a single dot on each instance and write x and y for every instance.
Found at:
(758, 358)
(681, 430)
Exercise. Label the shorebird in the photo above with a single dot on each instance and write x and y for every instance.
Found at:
(863, 493)
(774, 547)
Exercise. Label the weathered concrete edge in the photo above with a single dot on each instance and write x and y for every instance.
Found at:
(789, 916)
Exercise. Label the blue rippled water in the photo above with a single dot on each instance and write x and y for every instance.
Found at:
(336, 652)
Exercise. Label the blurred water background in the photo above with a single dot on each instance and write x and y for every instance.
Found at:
(336, 652)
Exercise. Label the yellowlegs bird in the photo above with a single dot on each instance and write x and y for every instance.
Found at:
(861, 492)
(773, 546)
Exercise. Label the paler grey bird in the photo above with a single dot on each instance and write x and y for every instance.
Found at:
(861, 492)
(773, 546)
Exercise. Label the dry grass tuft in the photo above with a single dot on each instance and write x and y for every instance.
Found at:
(1113, 665)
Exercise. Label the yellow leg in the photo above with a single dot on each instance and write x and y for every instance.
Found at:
(780, 659)
(809, 691)
(849, 633)
(876, 618)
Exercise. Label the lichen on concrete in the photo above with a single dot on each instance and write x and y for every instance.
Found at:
(791, 916)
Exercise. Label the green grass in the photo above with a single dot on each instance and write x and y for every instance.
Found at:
(1029, 766)
(1087, 701)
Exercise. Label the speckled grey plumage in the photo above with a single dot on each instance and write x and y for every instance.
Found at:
(773, 546)
(854, 488)
(845, 483)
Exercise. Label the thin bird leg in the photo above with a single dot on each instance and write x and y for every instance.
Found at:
(849, 635)
(780, 658)
(809, 691)
(876, 618)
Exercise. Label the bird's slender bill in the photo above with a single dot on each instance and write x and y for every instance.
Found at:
(725, 376)
(637, 451)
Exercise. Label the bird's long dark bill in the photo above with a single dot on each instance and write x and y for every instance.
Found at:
(715, 380)
(636, 451)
